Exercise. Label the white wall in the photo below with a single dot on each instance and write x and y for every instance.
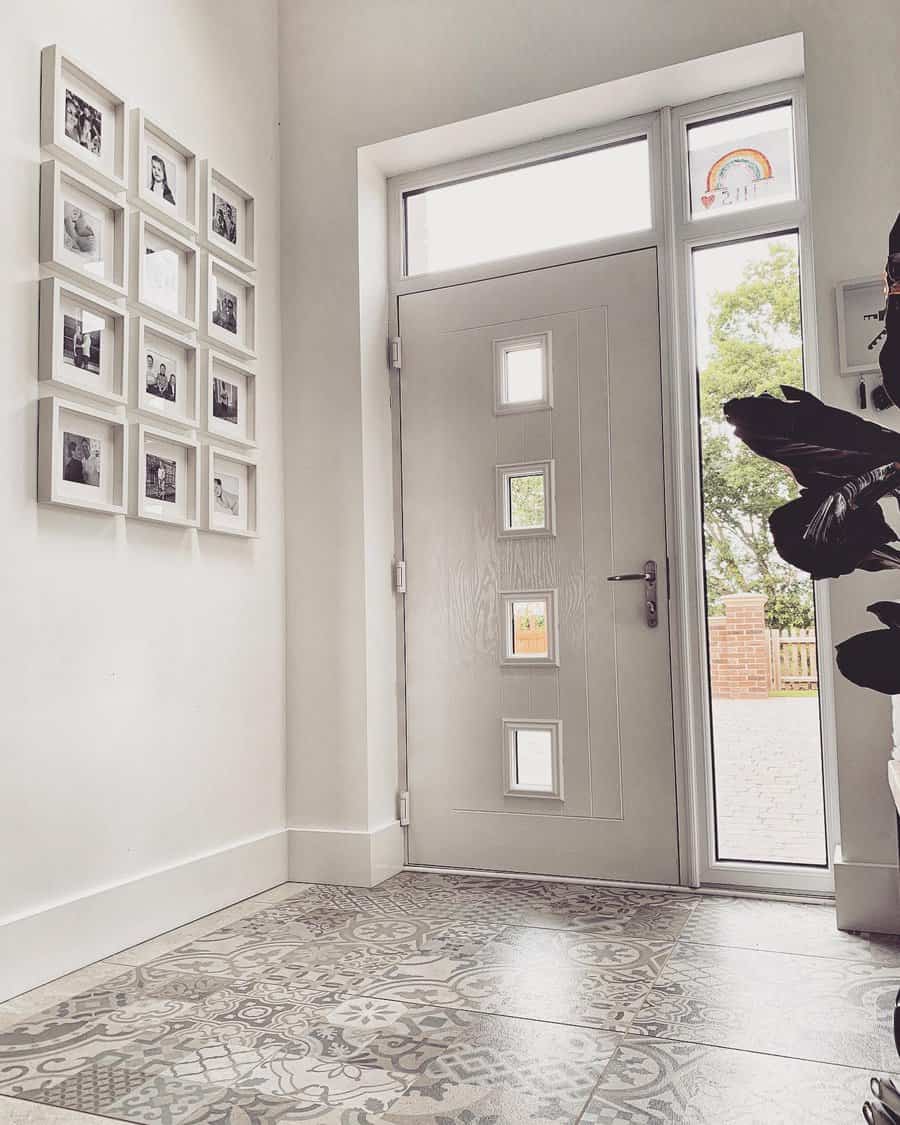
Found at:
(142, 668)
(355, 74)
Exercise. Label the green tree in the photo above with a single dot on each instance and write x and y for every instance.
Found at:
(755, 346)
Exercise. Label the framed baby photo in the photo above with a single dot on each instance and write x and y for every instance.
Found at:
(231, 483)
(229, 398)
(82, 341)
(164, 273)
(227, 218)
(859, 305)
(164, 367)
(228, 300)
(164, 178)
(82, 230)
(165, 477)
(81, 456)
(83, 121)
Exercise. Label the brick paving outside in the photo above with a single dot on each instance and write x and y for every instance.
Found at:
(769, 779)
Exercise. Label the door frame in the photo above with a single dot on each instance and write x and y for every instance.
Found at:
(673, 238)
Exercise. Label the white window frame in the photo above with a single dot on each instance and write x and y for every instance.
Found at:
(685, 235)
(510, 788)
(545, 469)
(673, 234)
(503, 348)
(507, 629)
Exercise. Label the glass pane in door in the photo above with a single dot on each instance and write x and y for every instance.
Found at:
(760, 613)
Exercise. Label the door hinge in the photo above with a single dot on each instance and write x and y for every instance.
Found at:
(404, 808)
(400, 577)
(396, 353)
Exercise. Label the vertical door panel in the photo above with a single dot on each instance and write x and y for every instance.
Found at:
(611, 689)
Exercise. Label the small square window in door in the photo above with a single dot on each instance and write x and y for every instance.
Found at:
(525, 500)
(532, 760)
(528, 628)
(523, 374)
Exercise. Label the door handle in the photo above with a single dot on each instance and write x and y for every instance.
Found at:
(648, 577)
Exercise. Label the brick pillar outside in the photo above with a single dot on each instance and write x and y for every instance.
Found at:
(739, 649)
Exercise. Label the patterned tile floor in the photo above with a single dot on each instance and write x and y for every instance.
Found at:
(459, 1000)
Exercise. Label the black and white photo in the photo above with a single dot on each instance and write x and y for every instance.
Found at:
(225, 401)
(162, 177)
(81, 459)
(227, 490)
(224, 219)
(82, 341)
(225, 312)
(161, 376)
(84, 123)
(82, 232)
(160, 478)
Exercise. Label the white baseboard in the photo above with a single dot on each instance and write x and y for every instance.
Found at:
(353, 858)
(867, 896)
(48, 943)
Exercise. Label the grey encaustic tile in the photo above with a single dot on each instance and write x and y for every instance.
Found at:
(438, 998)
(815, 1008)
(785, 927)
(651, 1082)
(16, 1112)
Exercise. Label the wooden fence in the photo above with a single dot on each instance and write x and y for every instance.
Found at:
(792, 660)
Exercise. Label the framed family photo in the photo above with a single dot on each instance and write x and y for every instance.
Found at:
(227, 218)
(228, 301)
(164, 367)
(859, 303)
(81, 456)
(165, 478)
(83, 121)
(231, 484)
(229, 399)
(164, 273)
(82, 341)
(82, 230)
(164, 178)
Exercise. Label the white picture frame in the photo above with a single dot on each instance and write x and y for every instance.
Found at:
(65, 423)
(82, 341)
(82, 121)
(216, 368)
(176, 202)
(239, 476)
(854, 299)
(227, 295)
(175, 360)
(82, 231)
(167, 292)
(224, 203)
(173, 496)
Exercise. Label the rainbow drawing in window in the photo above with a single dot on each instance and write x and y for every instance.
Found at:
(736, 177)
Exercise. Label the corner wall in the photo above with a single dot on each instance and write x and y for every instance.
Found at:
(353, 75)
(142, 755)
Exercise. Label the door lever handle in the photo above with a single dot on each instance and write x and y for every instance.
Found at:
(648, 577)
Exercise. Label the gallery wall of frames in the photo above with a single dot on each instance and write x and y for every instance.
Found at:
(147, 316)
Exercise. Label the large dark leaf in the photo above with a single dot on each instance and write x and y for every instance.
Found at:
(820, 444)
(889, 358)
(872, 660)
(859, 542)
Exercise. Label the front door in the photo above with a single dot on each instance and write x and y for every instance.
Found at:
(539, 717)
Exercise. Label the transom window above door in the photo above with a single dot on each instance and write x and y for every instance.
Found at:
(577, 197)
